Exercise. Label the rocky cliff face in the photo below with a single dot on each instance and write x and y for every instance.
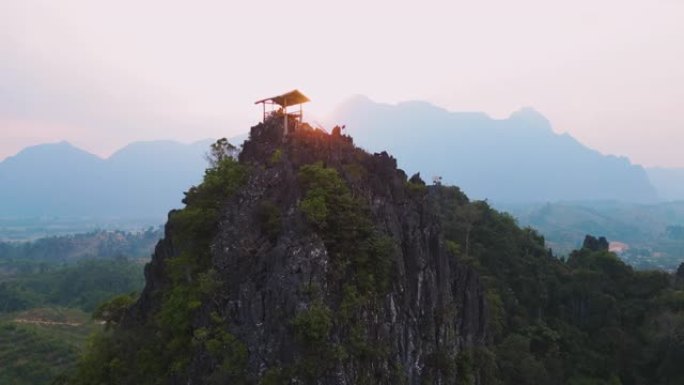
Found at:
(325, 266)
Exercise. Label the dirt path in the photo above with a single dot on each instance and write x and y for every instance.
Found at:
(40, 322)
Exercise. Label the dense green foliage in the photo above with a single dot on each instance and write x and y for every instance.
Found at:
(361, 270)
(152, 352)
(39, 341)
(83, 285)
(360, 255)
(39, 344)
(69, 248)
(31, 356)
(589, 320)
(112, 312)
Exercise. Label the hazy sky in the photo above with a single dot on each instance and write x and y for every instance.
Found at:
(104, 73)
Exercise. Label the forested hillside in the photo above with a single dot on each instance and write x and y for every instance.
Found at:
(45, 311)
(37, 346)
(587, 319)
(73, 247)
(82, 285)
(646, 236)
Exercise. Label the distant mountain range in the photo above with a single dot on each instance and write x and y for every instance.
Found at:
(669, 182)
(518, 159)
(651, 235)
(142, 180)
(513, 160)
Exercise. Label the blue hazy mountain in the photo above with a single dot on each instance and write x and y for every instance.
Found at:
(668, 181)
(50, 179)
(142, 180)
(518, 159)
(155, 174)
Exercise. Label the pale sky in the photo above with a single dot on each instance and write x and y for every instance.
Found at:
(101, 74)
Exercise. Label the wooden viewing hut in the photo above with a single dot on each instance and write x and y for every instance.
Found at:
(284, 101)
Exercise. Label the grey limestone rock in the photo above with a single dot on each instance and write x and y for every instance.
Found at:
(433, 308)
